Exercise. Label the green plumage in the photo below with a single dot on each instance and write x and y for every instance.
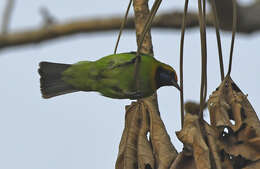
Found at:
(112, 76)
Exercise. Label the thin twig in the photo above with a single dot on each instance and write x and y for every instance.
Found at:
(148, 24)
(47, 17)
(233, 35)
(204, 9)
(123, 25)
(216, 24)
(181, 60)
(7, 15)
(147, 27)
(203, 60)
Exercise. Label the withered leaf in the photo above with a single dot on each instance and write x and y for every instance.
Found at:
(144, 148)
(229, 103)
(255, 142)
(255, 165)
(163, 149)
(136, 150)
(219, 106)
(246, 150)
(183, 162)
(191, 135)
(127, 156)
(212, 137)
(193, 107)
(227, 164)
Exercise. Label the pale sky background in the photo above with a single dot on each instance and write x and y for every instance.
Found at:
(83, 130)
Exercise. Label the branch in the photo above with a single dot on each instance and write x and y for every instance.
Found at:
(248, 22)
(247, 16)
(60, 30)
(165, 21)
(88, 26)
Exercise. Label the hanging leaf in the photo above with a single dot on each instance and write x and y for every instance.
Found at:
(144, 147)
(255, 165)
(136, 150)
(237, 124)
(191, 136)
(219, 108)
(228, 104)
(163, 150)
(127, 156)
(212, 136)
(183, 162)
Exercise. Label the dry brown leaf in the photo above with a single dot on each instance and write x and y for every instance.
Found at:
(242, 142)
(212, 138)
(249, 115)
(185, 162)
(191, 135)
(164, 151)
(193, 107)
(255, 142)
(136, 150)
(227, 164)
(229, 103)
(144, 148)
(255, 165)
(247, 151)
(219, 106)
(127, 156)
(246, 133)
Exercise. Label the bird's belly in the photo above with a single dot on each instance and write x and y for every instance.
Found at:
(129, 91)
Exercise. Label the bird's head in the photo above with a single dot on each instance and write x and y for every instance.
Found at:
(166, 76)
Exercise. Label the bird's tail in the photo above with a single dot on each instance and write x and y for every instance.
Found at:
(51, 79)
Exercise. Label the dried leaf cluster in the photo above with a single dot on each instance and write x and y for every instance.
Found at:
(145, 143)
(231, 140)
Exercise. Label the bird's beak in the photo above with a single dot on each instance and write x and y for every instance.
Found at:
(175, 84)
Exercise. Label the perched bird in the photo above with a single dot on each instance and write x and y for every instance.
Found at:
(112, 76)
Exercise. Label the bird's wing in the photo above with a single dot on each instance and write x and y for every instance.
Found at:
(119, 60)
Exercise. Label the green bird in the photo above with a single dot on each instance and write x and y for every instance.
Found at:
(112, 76)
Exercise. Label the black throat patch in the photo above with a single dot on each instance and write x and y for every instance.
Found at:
(163, 77)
